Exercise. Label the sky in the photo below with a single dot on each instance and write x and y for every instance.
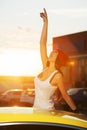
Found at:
(20, 30)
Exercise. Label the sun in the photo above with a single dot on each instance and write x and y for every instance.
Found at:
(20, 62)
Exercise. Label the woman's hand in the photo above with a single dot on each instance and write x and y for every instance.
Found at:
(43, 15)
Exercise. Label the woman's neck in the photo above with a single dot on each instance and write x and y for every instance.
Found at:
(51, 67)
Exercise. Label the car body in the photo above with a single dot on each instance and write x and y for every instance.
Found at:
(79, 96)
(21, 118)
(17, 97)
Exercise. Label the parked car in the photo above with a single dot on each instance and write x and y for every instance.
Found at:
(17, 97)
(79, 96)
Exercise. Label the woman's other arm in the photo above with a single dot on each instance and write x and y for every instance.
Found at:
(63, 91)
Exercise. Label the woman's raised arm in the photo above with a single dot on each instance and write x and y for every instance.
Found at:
(43, 38)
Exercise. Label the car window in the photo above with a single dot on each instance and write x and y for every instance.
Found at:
(17, 93)
(35, 126)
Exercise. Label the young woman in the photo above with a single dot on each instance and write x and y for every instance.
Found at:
(51, 78)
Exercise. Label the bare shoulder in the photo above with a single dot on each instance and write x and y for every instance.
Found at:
(58, 78)
(58, 75)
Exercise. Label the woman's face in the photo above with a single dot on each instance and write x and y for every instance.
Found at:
(53, 55)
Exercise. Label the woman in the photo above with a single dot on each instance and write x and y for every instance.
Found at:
(50, 79)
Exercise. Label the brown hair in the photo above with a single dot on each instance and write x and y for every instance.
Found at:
(61, 60)
(58, 64)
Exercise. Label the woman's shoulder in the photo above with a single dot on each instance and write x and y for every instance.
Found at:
(58, 74)
(57, 77)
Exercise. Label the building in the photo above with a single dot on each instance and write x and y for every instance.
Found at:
(75, 46)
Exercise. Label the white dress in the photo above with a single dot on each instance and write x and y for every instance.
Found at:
(43, 93)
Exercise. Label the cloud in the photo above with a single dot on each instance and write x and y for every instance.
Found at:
(70, 12)
(19, 27)
(19, 37)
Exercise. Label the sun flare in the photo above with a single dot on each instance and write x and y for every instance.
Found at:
(17, 63)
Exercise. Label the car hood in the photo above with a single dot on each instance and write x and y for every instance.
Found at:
(27, 114)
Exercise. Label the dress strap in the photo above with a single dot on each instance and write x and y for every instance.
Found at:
(52, 74)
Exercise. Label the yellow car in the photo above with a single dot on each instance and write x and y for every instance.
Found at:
(27, 118)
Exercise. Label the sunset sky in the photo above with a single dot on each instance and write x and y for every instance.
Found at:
(20, 29)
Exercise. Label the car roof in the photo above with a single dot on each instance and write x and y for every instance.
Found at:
(12, 90)
(22, 114)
